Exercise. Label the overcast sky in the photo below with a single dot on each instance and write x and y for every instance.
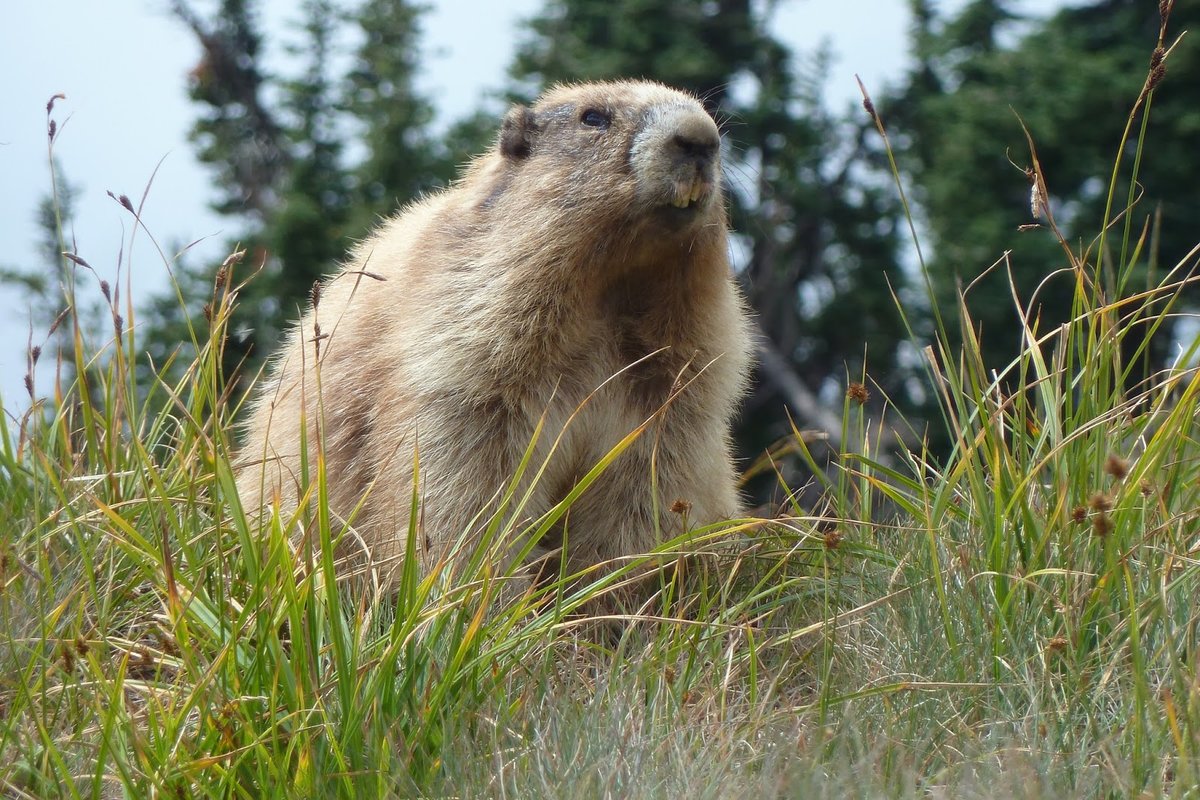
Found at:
(122, 65)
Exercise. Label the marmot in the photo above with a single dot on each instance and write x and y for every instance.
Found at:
(585, 258)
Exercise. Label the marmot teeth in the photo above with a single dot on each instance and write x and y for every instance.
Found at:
(686, 195)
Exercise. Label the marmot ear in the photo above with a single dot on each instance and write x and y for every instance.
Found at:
(517, 133)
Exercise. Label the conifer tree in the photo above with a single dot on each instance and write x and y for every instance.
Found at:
(278, 145)
(1071, 79)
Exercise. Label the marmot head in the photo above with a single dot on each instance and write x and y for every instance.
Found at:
(629, 149)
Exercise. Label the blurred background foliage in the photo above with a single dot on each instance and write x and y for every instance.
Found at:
(306, 163)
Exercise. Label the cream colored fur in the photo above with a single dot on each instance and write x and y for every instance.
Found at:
(558, 261)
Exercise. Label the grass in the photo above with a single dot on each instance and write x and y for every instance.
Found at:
(1016, 620)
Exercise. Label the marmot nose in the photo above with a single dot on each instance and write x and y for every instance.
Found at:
(699, 149)
(696, 137)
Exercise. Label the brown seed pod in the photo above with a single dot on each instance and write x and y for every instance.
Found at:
(1116, 466)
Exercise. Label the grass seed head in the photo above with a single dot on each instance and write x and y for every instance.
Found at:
(66, 655)
(1116, 466)
(62, 315)
(858, 393)
(1156, 76)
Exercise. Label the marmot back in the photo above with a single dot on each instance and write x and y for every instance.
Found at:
(584, 258)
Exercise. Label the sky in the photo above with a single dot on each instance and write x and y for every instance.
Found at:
(123, 66)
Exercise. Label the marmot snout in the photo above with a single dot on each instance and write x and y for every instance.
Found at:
(576, 279)
(676, 157)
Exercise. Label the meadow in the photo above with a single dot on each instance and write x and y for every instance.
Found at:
(1015, 619)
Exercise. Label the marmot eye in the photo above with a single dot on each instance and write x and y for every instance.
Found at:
(595, 118)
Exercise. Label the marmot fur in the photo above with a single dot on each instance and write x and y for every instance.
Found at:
(583, 258)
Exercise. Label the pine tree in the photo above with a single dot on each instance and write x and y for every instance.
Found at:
(1071, 80)
(278, 145)
(237, 133)
(308, 230)
(402, 159)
